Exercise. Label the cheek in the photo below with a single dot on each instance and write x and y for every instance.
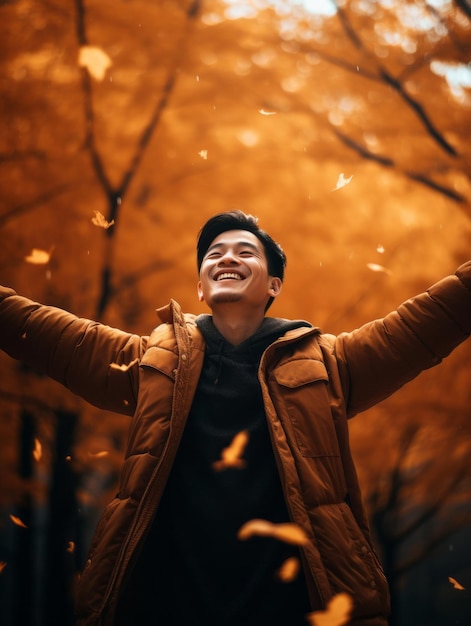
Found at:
(204, 286)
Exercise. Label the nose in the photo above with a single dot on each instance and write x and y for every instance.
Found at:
(228, 258)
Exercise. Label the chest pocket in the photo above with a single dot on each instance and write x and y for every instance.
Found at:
(151, 423)
(162, 360)
(303, 404)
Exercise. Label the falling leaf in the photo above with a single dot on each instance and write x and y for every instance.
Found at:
(203, 154)
(2, 566)
(95, 60)
(98, 455)
(337, 612)
(289, 533)
(289, 570)
(38, 257)
(38, 450)
(71, 546)
(262, 112)
(342, 181)
(231, 456)
(18, 521)
(123, 367)
(374, 267)
(456, 584)
(100, 220)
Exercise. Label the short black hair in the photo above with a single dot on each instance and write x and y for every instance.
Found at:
(238, 220)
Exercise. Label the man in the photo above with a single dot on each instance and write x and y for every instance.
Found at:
(236, 417)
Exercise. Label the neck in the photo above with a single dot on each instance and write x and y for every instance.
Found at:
(235, 329)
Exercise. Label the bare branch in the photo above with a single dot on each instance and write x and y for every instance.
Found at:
(363, 150)
(395, 84)
(389, 162)
(11, 157)
(113, 194)
(420, 553)
(23, 400)
(348, 28)
(33, 204)
(418, 108)
(428, 182)
(90, 142)
(440, 498)
(464, 6)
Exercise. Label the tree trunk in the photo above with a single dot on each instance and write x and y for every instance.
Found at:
(59, 567)
(23, 593)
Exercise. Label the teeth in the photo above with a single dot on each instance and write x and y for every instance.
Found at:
(229, 275)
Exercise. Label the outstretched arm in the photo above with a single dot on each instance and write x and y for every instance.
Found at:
(81, 354)
(378, 358)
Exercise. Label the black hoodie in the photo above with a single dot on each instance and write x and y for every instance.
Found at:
(201, 573)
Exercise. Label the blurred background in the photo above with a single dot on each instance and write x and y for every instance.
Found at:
(345, 127)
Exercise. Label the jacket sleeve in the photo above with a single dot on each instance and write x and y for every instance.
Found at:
(94, 361)
(380, 357)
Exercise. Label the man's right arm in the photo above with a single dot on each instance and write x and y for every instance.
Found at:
(88, 358)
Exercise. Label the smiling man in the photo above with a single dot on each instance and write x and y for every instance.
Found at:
(239, 421)
(234, 271)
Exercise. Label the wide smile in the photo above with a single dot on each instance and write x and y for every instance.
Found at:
(228, 276)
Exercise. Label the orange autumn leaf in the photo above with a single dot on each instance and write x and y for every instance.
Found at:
(289, 570)
(456, 584)
(337, 612)
(38, 257)
(289, 533)
(71, 546)
(38, 450)
(123, 367)
(95, 60)
(342, 181)
(100, 220)
(18, 521)
(2, 566)
(98, 455)
(375, 267)
(231, 456)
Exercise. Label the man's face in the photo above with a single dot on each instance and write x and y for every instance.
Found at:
(234, 269)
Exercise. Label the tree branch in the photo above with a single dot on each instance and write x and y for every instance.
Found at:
(395, 84)
(389, 162)
(464, 6)
(435, 541)
(33, 204)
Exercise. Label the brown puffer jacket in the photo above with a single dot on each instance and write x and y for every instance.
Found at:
(311, 383)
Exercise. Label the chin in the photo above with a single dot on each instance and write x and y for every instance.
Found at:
(222, 298)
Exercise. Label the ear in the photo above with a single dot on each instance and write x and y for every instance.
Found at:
(275, 286)
(200, 292)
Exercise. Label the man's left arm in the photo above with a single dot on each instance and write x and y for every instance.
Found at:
(380, 357)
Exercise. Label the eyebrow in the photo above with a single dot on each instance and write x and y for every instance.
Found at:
(241, 244)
